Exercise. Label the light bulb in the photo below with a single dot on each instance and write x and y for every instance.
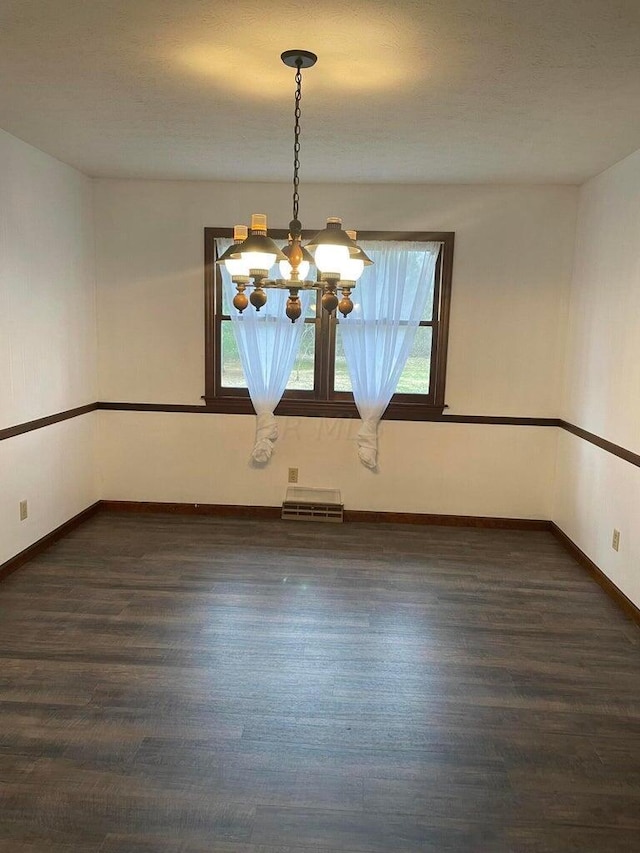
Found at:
(354, 267)
(352, 270)
(285, 270)
(236, 267)
(258, 260)
(330, 258)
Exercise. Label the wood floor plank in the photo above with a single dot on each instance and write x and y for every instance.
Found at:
(182, 684)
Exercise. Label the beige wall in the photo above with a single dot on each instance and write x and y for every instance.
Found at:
(429, 468)
(513, 257)
(47, 341)
(54, 470)
(596, 491)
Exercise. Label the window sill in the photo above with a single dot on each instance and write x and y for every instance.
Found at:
(396, 411)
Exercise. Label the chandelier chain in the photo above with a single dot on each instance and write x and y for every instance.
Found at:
(296, 142)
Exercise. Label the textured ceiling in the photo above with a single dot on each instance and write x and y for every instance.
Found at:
(406, 91)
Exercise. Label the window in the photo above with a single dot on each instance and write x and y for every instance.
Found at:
(319, 384)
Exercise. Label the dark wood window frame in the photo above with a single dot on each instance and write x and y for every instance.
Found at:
(323, 401)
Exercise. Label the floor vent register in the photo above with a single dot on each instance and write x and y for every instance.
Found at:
(304, 504)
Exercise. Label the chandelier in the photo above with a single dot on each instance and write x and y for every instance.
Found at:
(334, 253)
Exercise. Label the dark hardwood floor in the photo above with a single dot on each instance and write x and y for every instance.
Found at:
(199, 685)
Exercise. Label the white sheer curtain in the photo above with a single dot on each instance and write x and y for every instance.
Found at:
(377, 336)
(268, 343)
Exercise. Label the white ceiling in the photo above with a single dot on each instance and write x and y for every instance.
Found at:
(406, 91)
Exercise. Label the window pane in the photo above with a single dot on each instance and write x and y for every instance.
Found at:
(414, 280)
(414, 379)
(302, 375)
(312, 310)
(392, 261)
(232, 372)
(226, 302)
(341, 382)
(428, 308)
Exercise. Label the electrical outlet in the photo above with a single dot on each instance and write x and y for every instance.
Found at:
(615, 540)
(24, 510)
(293, 475)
